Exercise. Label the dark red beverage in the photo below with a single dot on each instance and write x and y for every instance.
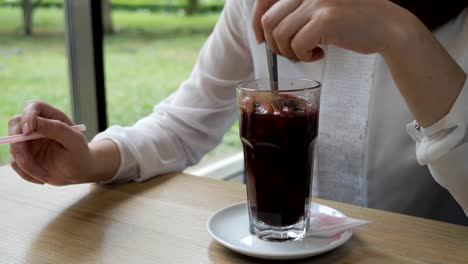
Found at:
(278, 137)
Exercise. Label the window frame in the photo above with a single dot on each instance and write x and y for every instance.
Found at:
(84, 45)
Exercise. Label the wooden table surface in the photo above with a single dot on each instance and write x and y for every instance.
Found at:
(164, 221)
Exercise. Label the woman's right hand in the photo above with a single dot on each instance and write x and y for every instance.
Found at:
(61, 158)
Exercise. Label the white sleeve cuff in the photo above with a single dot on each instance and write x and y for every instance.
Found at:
(435, 141)
(128, 168)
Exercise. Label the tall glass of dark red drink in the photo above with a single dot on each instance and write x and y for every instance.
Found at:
(278, 132)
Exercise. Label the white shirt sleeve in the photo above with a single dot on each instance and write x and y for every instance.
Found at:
(192, 120)
(435, 141)
(444, 148)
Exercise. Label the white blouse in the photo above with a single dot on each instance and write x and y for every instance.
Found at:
(378, 164)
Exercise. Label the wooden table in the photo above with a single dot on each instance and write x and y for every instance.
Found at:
(164, 221)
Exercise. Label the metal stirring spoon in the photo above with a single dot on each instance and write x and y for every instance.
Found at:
(272, 68)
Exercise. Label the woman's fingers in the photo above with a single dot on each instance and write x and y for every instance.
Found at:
(22, 155)
(279, 23)
(55, 127)
(34, 109)
(22, 173)
(272, 18)
(261, 6)
(287, 28)
(306, 42)
(26, 161)
(61, 132)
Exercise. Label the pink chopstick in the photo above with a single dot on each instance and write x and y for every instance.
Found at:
(34, 135)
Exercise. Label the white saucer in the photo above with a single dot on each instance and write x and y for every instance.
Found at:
(230, 227)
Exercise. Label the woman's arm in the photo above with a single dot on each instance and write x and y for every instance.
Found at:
(428, 78)
(194, 119)
(443, 146)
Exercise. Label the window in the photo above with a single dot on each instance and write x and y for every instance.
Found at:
(32, 66)
(151, 50)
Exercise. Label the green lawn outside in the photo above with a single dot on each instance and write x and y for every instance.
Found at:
(147, 5)
(145, 61)
(129, 2)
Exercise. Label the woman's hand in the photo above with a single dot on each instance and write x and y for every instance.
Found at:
(427, 77)
(62, 158)
(296, 29)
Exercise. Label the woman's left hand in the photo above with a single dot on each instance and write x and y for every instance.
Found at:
(296, 29)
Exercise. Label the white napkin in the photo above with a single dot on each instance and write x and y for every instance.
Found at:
(344, 110)
(325, 225)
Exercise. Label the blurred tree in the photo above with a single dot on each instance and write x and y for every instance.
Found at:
(107, 25)
(192, 6)
(28, 7)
